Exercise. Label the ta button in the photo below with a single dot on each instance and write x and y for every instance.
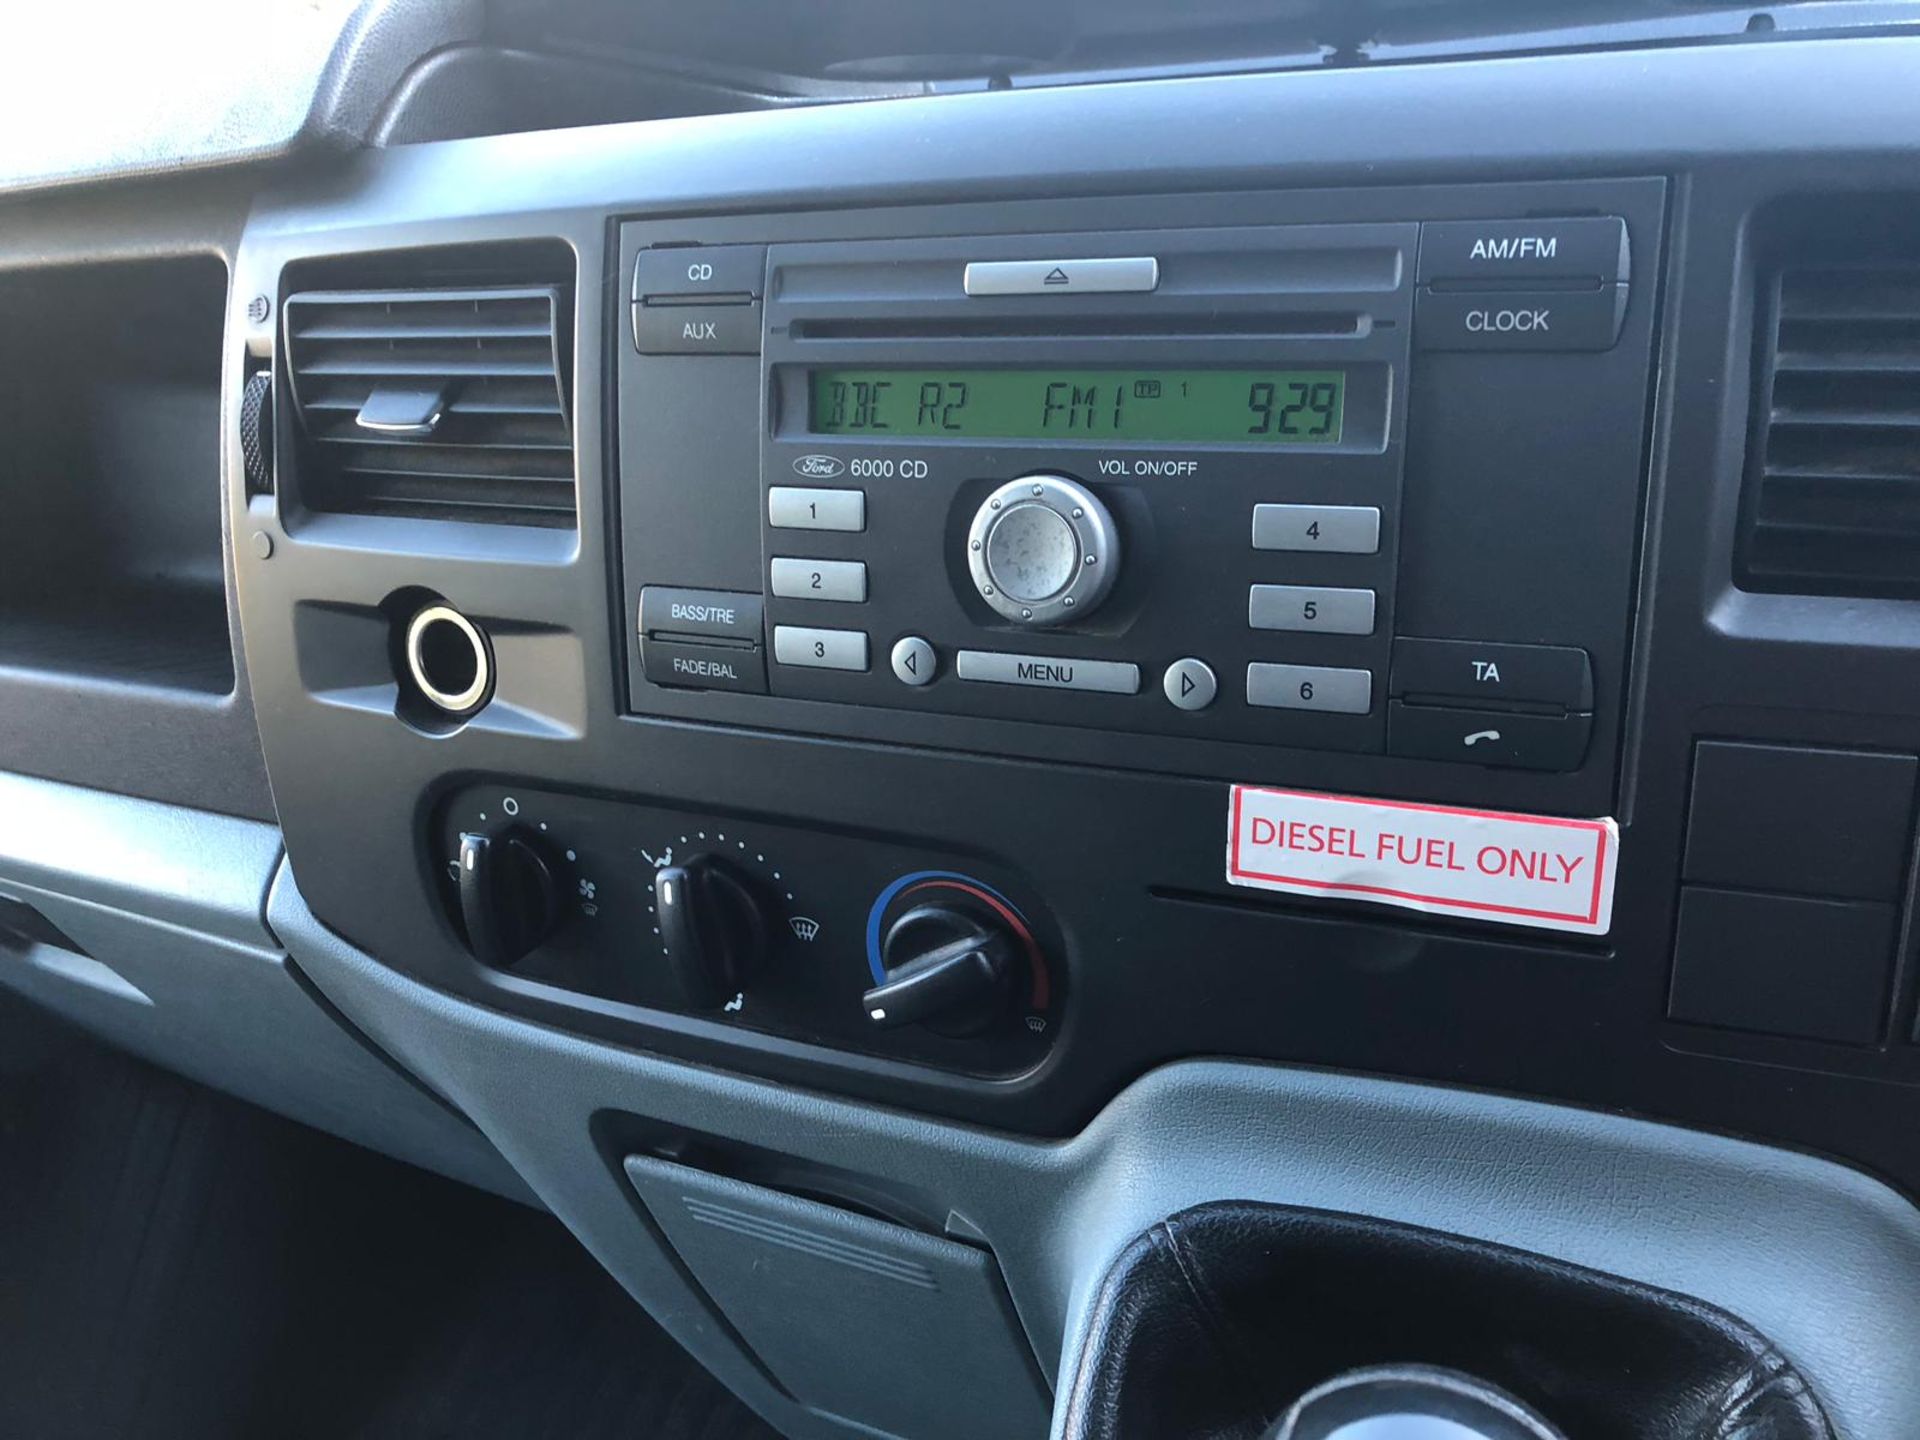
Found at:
(1189, 684)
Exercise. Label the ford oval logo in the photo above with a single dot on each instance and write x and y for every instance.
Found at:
(818, 467)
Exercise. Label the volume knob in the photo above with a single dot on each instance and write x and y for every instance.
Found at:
(1043, 550)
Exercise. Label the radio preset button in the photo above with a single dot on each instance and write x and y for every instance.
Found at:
(1319, 609)
(1310, 687)
(915, 661)
(1189, 684)
(802, 507)
(842, 580)
(1048, 672)
(1043, 550)
(1102, 276)
(1335, 529)
(816, 649)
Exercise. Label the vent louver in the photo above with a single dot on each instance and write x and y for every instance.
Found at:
(443, 404)
(1833, 478)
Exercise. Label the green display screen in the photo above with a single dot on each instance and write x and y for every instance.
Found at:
(1290, 407)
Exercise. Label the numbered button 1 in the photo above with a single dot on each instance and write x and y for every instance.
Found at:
(843, 580)
(1310, 687)
(803, 507)
(815, 649)
(1334, 529)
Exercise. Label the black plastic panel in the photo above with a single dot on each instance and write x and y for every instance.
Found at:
(1124, 849)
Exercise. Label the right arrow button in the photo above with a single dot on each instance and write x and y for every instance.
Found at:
(1189, 684)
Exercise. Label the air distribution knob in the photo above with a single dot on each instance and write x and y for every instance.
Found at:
(1043, 550)
(713, 928)
(509, 900)
(945, 969)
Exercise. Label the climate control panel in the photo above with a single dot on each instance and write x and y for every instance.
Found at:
(828, 939)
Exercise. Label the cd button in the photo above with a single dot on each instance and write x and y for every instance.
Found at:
(701, 272)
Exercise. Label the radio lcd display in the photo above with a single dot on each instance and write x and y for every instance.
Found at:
(1293, 407)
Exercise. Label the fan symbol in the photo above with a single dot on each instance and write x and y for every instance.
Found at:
(587, 889)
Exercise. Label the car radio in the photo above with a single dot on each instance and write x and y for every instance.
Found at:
(1187, 482)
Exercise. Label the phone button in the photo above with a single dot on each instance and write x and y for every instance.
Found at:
(1507, 738)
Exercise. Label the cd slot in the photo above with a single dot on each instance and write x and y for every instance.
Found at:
(1271, 326)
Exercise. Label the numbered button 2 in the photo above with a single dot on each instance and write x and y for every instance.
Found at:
(842, 580)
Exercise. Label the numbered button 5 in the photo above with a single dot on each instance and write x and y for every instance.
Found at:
(1319, 608)
(843, 580)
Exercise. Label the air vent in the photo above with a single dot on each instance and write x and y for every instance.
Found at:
(1833, 476)
(443, 404)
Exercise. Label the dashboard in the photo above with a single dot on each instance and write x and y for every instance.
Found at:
(946, 657)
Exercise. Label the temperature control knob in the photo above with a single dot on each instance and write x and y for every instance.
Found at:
(509, 900)
(1043, 550)
(945, 969)
(712, 926)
